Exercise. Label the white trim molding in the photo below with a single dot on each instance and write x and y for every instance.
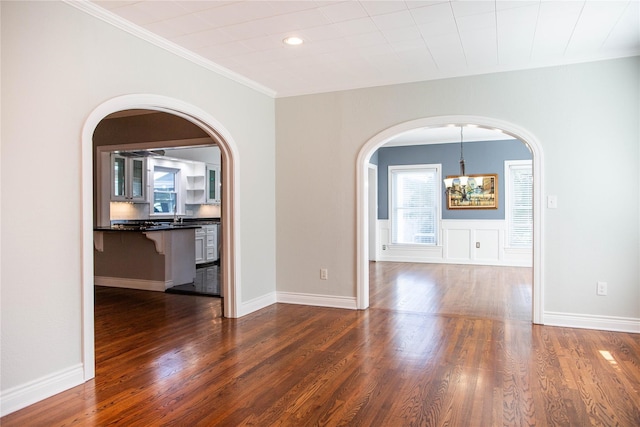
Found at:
(230, 208)
(143, 34)
(140, 284)
(256, 304)
(362, 215)
(34, 391)
(317, 300)
(588, 321)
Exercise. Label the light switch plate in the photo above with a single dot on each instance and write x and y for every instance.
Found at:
(552, 202)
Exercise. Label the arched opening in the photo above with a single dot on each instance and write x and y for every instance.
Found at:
(370, 147)
(230, 256)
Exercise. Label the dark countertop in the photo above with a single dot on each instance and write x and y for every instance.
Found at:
(137, 228)
(158, 225)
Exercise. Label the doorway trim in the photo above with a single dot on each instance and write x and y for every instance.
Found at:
(364, 156)
(229, 215)
(372, 189)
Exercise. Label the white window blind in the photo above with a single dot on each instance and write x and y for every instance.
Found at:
(415, 204)
(519, 203)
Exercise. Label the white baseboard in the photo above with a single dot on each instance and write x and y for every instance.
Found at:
(317, 300)
(256, 304)
(141, 284)
(34, 391)
(588, 321)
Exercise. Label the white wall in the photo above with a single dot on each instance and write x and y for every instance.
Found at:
(58, 65)
(586, 117)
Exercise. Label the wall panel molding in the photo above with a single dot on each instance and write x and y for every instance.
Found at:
(473, 242)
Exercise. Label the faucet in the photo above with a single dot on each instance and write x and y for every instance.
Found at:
(175, 214)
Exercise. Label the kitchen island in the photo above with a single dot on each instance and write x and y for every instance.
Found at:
(153, 258)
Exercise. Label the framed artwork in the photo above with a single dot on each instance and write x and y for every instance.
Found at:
(480, 192)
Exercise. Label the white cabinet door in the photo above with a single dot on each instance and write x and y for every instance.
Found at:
(128, 179)
(211, 239)
(213, 184)
(207, 244)
(200, 246)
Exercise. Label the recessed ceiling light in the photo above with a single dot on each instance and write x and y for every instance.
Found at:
(293, 41)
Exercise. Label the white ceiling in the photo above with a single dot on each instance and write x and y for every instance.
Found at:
(354, 44)
(446, 135)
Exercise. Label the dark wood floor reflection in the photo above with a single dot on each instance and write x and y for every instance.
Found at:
(440, 345)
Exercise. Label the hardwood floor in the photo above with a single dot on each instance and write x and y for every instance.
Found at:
(440, 345)
(458, 290)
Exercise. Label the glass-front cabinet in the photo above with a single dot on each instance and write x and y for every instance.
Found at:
(213, 184)
(128, 178)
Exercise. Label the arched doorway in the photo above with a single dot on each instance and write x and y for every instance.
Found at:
(364, 156)
(230, 256)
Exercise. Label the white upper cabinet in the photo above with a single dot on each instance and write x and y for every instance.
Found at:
(213, 184)
(128, 179)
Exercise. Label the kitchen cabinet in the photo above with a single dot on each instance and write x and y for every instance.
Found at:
(200, 246)
(151, 260)
(213, 184)
(196, 183)
(211, 242)
(196, 190)
(207, 244)
(128, 179)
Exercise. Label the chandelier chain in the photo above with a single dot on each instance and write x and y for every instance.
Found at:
(462, 171)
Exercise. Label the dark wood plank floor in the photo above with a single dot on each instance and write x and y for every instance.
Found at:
(440, 345)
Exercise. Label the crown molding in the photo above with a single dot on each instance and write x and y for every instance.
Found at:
(137, 31)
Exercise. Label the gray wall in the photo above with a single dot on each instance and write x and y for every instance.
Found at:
(58, 65)
(483, 157)
(585, 117)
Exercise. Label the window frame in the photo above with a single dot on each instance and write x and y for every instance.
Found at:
(438, 203)
(176, 189)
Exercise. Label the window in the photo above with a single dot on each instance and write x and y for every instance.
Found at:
(519, 203)
(165, 198)
(415, 204)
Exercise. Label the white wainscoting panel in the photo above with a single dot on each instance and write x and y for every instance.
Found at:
(489, 245)
(480, 242)
(458, 244)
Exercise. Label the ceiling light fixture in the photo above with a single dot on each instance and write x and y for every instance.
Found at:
(458, 184)
(293, 41)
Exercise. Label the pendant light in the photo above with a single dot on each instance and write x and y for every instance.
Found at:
(462, 178)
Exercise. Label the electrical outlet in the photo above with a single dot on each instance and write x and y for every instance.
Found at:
(324, 274)
(602, 288)
(477, 245)
(384, 247)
